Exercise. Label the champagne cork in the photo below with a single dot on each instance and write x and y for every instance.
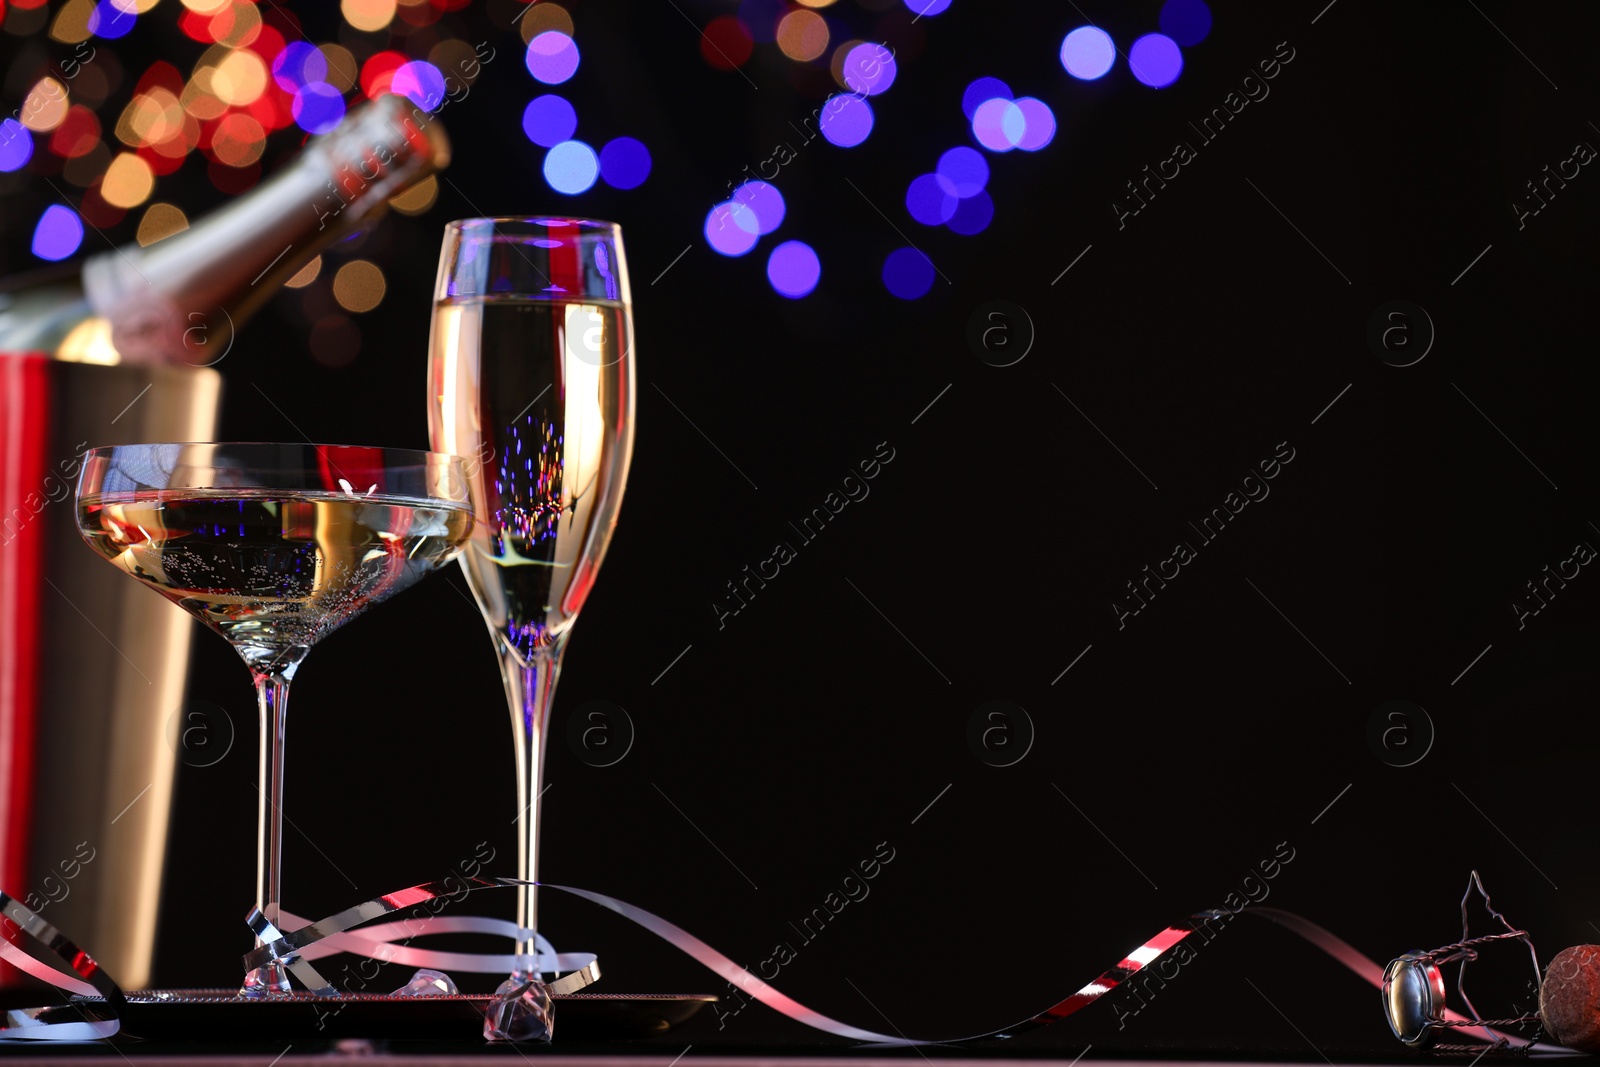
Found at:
(1569, 998)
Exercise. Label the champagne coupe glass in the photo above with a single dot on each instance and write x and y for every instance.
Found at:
(530, 376)
(273, 546)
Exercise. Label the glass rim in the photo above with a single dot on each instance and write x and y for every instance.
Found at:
(587, 225)
(421, 457)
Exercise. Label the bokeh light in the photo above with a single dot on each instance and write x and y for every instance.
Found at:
(369, 16)
(794, 269)
(79, 132)
(240, 78)
(571, 167)
(16, 145)
(58, 234)
(548, 120)
(765, 207)
(552, 57)
(1186, 21)
(541, 16)
(624, 163)
(150, 118)
(417, 199)
(238, 140)
(1155, 60)
(318, 107)
(731, 228)
(999, 125)
(298, 65)
(128, 181)
(236, 25)
(45, 106)
(109, 20)
(803, 35)
(306, 274)
(907, 273)
(421, 83)
(868, 69)
(972, 215)
(377, 73)
(980, 91)
(1039, 124)
(343, 70)
(359, 286)
(927, 201)
(726, 43)
(160, 220)
(927, 7)
(962, 172)
(846, 120)
(1088, 53)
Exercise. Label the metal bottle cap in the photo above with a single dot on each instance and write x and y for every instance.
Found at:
(1413, 997)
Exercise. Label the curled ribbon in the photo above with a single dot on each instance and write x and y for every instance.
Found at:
(331, 935)
(86, 977)
(294, 949)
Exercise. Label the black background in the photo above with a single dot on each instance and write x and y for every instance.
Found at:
(823, 719)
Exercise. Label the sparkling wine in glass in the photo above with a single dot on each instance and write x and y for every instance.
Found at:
(273, 546)
(530, 375)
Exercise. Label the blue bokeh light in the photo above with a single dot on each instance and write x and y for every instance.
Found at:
(421, 83)
(625, 163)
(869, 69)
(1088, 53)
(298, 65)
(552, 57)
(1155, 60)
(110, 21)
(764, 207)
(58, 234)
(794, 269)
(1039, 124)
(981, 90)
(318, 107)
(846, 120)
(999, 125)
(549, 119)
(962, 172)
(1186, 21)
(928, 202)
(571, 167)
(907, 273)
(16, 145)
(927, 7)
(972, 215)
(731, 228)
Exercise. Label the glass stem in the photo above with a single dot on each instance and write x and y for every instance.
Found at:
(272, 695)
(529, 689)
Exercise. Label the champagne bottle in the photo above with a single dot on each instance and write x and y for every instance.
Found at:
(180, 299)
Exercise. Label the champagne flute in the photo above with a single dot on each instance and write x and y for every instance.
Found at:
(273, 546)
(530, 374)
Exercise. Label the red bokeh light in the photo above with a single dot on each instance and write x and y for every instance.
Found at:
(78, 133)
(726, 43)
(378, 72)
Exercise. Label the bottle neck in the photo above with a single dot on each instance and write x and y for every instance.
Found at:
(180, 299)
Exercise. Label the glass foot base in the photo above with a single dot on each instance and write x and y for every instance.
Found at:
(266, 981)
(521, 1011)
